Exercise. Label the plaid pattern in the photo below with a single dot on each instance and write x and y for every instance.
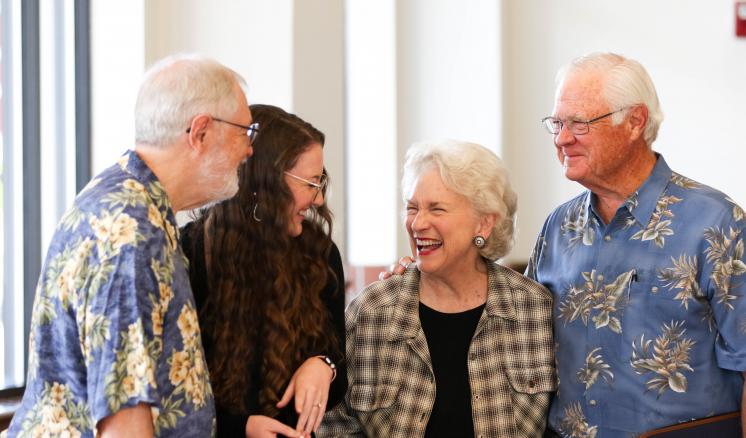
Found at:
(391, 382)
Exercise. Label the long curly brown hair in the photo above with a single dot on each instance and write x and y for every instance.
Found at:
(263, 302)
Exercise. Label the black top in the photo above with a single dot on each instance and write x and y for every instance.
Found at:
(333, 297)
(448, 338)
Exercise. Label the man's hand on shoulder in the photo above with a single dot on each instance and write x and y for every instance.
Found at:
(397, 268)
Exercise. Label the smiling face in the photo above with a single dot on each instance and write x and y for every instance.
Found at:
(441, 225)
(309, 166)
(599, 156)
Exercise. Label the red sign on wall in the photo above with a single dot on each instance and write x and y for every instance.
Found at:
(741, 18)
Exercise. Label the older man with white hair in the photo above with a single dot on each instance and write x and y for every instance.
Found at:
(115, 348)
(646, 267)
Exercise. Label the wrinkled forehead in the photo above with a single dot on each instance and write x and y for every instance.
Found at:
(580, 93)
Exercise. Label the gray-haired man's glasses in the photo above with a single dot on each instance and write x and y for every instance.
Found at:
(251, 130)
(318, 187)
(553, 125)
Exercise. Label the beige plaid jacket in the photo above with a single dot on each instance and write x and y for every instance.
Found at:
(391, 382)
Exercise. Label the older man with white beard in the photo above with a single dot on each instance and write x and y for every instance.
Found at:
(115, 348)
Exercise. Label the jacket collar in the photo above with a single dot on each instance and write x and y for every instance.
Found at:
(405, 323)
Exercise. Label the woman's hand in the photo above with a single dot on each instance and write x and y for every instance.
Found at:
(310, 386)
(260, 426)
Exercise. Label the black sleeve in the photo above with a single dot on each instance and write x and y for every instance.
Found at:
(334, 297)
(230, 425)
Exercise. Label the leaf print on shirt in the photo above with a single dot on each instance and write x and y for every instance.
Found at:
(71, 220)
(133, 372)
(533, 261)
(167, 415)
(56, 414)
(632, 201)
(94, 332)
(708, 317)
(595, 297)
(666, 358)
(725, 253)
(684, 182)
(113, 231)
(188, 370)
(683, 276)
(738, 213)
(576, 223)
(658, 227)
(574, 424)
(33, 355)
(132, 194)
(159, 196)
(594, 368)
(65, 274)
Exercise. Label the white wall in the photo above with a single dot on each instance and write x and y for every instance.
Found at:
(478, 70)
(253, 37)
(318, 91)
(290, 55)
(370, 116)
(689, 49)
(448, 76)
(117, 47)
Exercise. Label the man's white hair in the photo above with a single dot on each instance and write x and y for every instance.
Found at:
(626, 83)
(176, 89)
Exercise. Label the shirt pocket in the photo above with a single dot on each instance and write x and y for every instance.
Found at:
(369, 398)
(532, 380)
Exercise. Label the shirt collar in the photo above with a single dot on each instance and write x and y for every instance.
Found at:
(132, 164)
(642, 202)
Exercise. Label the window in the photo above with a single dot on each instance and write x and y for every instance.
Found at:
(45, 151)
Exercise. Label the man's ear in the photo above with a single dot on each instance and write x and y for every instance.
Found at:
(198, 132)
(637, 119)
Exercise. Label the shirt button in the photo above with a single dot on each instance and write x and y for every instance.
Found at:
(476, 397)
(654, 289)
(531, 383)
(607, 238)
(592, 402)
(473, 356)
(600, 277)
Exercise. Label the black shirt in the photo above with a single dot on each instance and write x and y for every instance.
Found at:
(448, 338)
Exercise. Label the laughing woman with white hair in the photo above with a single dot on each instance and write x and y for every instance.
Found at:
(458, 345)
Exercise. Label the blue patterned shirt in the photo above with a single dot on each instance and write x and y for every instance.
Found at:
(649, 312)
(114, 321)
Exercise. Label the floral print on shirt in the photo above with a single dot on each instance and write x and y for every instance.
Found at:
(113, 322)
(650, 314)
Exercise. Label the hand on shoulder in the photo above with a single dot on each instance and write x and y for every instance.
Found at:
(397, 268)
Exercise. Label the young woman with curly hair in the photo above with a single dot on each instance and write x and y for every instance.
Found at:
(268, 283)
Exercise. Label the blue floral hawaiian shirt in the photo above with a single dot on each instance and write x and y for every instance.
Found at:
(113, 322)
(649, 310)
